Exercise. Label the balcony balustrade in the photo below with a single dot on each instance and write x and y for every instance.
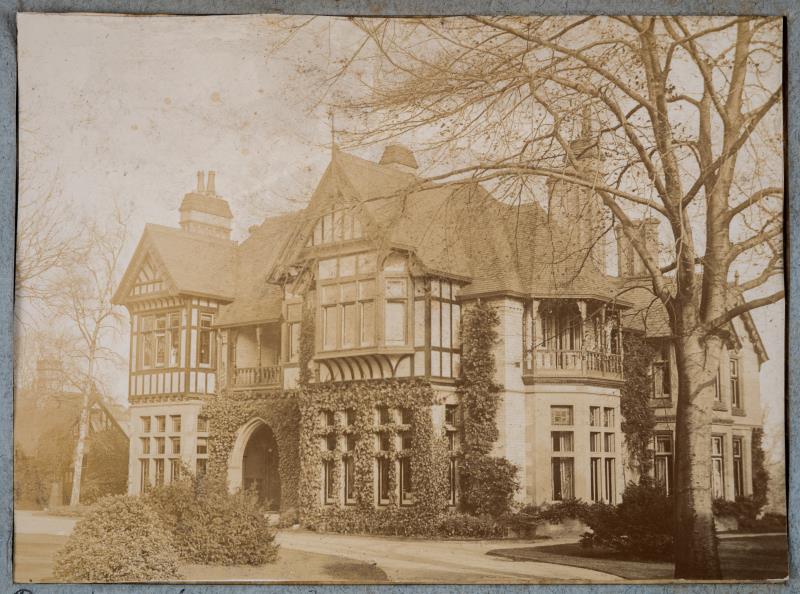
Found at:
(561, 363)
(257, 377)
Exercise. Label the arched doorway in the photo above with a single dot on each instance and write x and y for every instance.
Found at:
(260, 466)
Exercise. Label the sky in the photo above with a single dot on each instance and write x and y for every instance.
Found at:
(118, 109)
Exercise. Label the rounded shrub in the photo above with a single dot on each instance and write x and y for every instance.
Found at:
(121, 539)
(210, 525)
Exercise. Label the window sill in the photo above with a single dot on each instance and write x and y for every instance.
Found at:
(720, 406)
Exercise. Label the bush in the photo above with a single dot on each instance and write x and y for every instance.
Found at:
(641, 525)
(121, 539)
(213, 526)
(488, 484)
(525, 521)
(746, 510)
(464, 525)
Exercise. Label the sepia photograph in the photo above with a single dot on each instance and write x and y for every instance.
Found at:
(413, 300)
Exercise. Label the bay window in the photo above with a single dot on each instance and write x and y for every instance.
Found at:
(347, 301)
(445, 329)
(160, 340)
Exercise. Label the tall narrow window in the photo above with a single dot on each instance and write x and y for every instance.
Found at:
(174, 339)
(174, 470)
(609, 480)
(148, 342)
(718, 386)
(595, 479)
(594, 416)
(329, 326)
(738, 466)
(662, 385)
(406, 482)
(161, 341)
(350, 470)
(608, 442)
(736, 397)
(145, 445)
(663, 464)
(563, 478)
(161, 424)
(327, 466)
(145, 424)
(144, 475)
(159, 471)
(204, 340)
(717, 467)
(383, 481)
(608, 417)
(176, 423)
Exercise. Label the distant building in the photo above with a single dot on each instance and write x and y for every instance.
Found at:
(47, 414)
(388, 264)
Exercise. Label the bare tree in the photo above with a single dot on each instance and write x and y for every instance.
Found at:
(82, 298)
(44, 244)
(689, 131)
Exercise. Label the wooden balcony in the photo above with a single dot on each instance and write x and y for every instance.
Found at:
(565, 365)
(257, 377)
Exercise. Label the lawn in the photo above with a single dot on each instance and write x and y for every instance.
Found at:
(34, 555)
(760, 557)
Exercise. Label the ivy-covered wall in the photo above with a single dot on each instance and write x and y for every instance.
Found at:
(230, 412)
(428, 456)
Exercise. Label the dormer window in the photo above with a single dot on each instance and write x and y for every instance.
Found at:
(338, 225)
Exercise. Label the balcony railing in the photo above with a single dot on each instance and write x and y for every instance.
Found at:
(573, 363)
(256, 377)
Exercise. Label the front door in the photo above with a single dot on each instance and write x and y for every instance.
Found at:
(260, 467)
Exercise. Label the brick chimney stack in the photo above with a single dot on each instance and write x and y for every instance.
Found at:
(203, 212)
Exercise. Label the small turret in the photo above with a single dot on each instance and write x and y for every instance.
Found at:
(202, 211)
(399, 157)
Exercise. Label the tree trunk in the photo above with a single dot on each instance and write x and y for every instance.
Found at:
(696, 554)
(83, 432)
(80, 446)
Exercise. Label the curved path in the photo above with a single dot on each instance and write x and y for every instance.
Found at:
(402, 559)
(438, 561)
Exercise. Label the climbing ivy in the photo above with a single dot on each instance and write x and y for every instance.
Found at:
(306, 344)
(488, 483)
(638, 418)
(228, 413)
(428, 457)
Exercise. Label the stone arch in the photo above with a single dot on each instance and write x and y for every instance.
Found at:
(255, 429)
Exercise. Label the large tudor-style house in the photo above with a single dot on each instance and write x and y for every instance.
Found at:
(387, 264)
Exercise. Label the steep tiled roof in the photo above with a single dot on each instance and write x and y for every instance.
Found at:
(197, 263)
(256, 300)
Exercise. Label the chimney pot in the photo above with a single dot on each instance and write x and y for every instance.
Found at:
(200, 187)
(210, 185)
